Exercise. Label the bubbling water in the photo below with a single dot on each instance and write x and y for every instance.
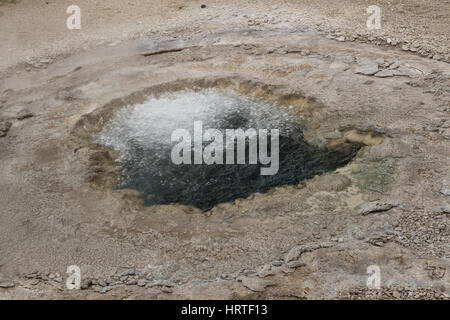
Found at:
(142, 136)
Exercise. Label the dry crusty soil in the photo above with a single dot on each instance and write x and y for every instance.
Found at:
(389, 207)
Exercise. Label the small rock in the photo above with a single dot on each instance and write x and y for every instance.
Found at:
(166, 290)
(203, 6)
(149, 277)
(142, 282)
(102, 283)
(24, 114)
(376, 206)
(414, 70)
(172, 266)
(445, 190)
(128, 272)
(4, 127)
(446, 208)
(358, 234)
(340, 39)
(249, 272)
(160, 283)
(295, 264)
(265, 271)
(367, 67)
(405, 47)
(277, 263)
(86, 283)
(227, 276)
(306, 52)
(34, 282)
(6, 284)
(395, 65)
(446, 134)
(131, 282)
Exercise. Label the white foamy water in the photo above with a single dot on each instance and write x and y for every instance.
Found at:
(150, 124)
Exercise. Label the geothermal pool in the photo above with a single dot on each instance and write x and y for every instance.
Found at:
(145, 136)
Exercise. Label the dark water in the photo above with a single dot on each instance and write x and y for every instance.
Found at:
(142, 136)
(152, 172)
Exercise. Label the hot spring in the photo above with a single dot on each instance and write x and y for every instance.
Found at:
(143, 135)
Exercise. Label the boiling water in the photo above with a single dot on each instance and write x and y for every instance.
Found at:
(142, 136)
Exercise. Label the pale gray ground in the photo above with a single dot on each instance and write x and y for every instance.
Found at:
(312, 241)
